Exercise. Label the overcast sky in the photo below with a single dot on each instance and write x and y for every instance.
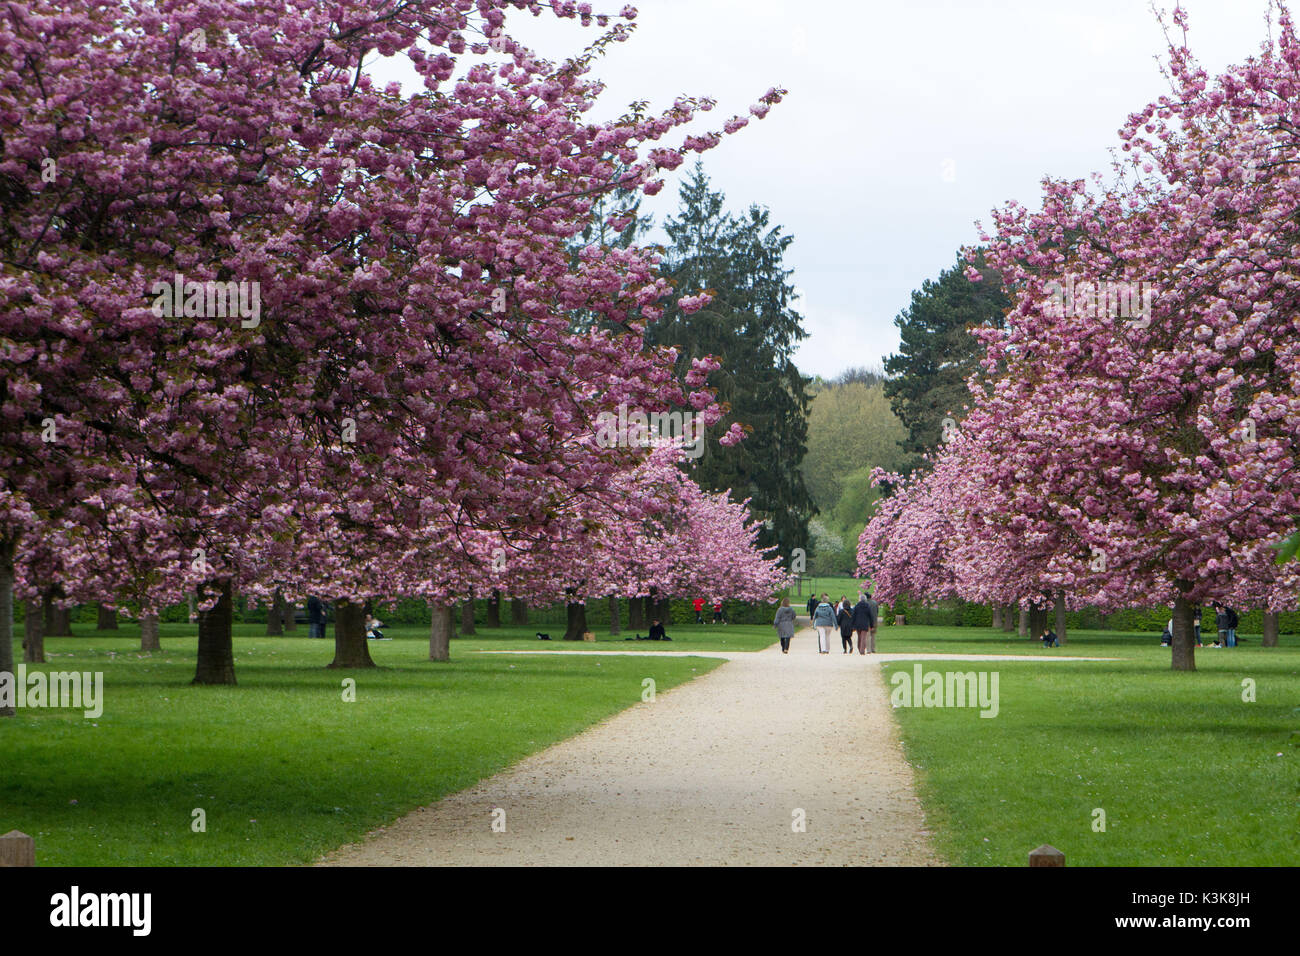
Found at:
(905, 122)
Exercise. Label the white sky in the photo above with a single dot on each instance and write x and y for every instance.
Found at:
(906, 121)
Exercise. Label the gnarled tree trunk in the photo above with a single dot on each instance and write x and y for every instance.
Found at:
(997, 617)
(615, 624)
(275, 616)
(440, 633)
(1009, 615)
(494, 609)
(635, 617)
(577, 621)
(1060, 616)
(33, 634)
(107, 619)
(1270, 629)
(518, 613)
(1184, 644)
(467, 616)
(1023, 629)
(216, 663)
(350, 647)
(149, 633)
(58, 620)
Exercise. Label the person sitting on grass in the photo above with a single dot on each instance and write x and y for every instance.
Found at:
(373, 632)
(1049, 638)
(656, 633)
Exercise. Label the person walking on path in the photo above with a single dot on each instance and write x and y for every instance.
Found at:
(784, 624)
(875, 619)
(824, 621)
(812, 604)
(864, 623)
(844, 617)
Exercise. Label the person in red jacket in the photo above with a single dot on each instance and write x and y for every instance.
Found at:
(698, 604)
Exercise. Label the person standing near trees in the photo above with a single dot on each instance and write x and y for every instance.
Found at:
(864, 623)
(698, 604)
(784, 624)
(844, 617)
(824, 621)
(875, 619)
(812, 604)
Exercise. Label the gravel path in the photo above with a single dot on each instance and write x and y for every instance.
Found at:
(718, 771)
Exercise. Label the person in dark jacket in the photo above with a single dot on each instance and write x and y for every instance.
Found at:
(812, 604)
(844, 617)
(864, 623)
(315, 617)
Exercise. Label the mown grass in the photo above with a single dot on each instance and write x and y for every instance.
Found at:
(281, 765)
(1186, 772)
(685, 637)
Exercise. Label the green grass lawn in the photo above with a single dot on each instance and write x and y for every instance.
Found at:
(284, 768)
(685, 637)
(1186, 772)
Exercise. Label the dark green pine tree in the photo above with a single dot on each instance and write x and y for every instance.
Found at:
(752, 329)
(926, 380)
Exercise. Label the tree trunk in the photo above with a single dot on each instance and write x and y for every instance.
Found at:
(635, 619)
(275, 616)
(494, 609)
(33, 634)
(1184, 646)
(663, 611)
(648, 610)
(1270, 629)
(149, 633)
(216, 663)
(58, 620)
(997, 617)
(287, 611)
(350, 647)
(1060, 616)
(577, 615)
(467, 616)
(1009, 614)
(7, 548)
(107, 620)
(518, 613)
(1023, 629)
(615, 615)
(440, 633)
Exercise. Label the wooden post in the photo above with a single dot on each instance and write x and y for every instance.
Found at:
(1046, 855)
(17, 849)
(900, 619)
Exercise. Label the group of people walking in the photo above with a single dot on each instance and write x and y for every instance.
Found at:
(851, 619)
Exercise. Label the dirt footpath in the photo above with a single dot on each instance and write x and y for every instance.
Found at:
(770, 759)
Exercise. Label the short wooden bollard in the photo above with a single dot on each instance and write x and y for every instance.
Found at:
(1046, 855)
(900, 619)
(17, 849)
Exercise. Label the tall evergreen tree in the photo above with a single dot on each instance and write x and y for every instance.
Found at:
(752, 328)
(927, 378)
